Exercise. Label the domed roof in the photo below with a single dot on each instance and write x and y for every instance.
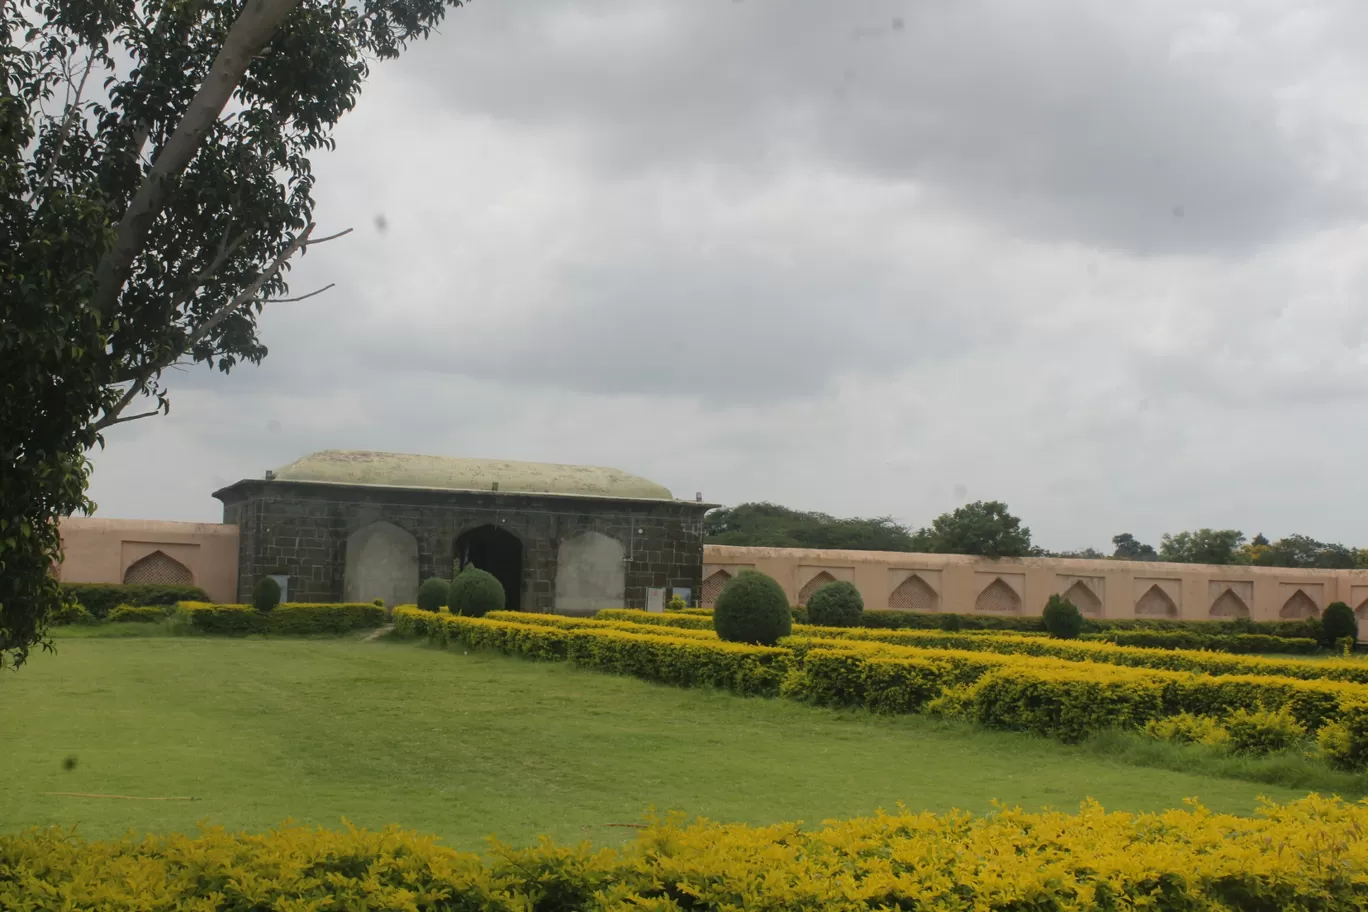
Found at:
(359, 467)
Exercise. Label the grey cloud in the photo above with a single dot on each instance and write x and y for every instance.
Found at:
(1068, 119)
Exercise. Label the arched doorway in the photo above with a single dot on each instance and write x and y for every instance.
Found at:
(495, 551)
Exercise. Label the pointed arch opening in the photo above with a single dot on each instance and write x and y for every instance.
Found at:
(497, 551)
(817, 582)
(712, 587)
(1229, 605)
(1156, 603)
(1084, 599)
(913, 594)
(1298, 607)
(158, 569)
(998, 598)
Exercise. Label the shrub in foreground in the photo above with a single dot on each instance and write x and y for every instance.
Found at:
(837, 604)
(433, 594)
(1062, 618)
(266, 595)
(1307, 855)
(137, 614)
(71, 613)
(475, 593)
(1338, 621)
(1343, 743)
(752, 608)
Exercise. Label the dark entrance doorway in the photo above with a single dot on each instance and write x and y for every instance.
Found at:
(495, 551)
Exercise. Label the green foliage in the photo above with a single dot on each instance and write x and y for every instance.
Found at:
(676, 604)
(141, 228)
(102, 598)
(1205, 546)
(1345, 646)
(1062, 618)
(1239, 644)
(772, 526)
(266, 595)
(984, 528)
(836, 604)
(137, 614)
(951, 623)
(752, 608)
(1127, 548)
(289, 619)
(1262, 731)
(1186, 728)
(72, 613)
(1337, 621)
(475, 593)
(1343, 743)
(1305, 551)
(433, 594)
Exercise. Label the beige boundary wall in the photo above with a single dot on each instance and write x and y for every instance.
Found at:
(960, 584)
(151, 551)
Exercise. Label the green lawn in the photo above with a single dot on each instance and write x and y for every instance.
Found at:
(260, 730)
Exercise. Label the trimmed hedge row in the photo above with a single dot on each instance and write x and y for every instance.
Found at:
(1237, 643)
(685, 661)
(565, 622)
(291, 618)
(137, 614)
(1106, 653)
(1308, 855)
(101, 598)
(1052, 697)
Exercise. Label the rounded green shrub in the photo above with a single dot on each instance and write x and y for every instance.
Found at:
(1338, 621)
(266, 595)
(433, 594)
(676, 604)
(72, 613)
(475, 593)
(752, 608)
(1062, 618)
(952, 623)
(837, 604)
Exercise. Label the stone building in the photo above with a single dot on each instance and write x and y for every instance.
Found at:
(354, 526)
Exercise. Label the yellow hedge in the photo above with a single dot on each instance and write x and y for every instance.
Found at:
(1308, 855)
(1106, 653)
(580, 623)
(668, 619)
(686, 661)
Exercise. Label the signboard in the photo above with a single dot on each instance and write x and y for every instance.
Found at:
(283, 581)
(655, 600)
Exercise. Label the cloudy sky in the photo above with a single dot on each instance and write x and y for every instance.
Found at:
(1106, 262)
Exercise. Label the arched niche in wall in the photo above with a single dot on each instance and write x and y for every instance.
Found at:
(590, 574)
(382, 562)
(159, 569)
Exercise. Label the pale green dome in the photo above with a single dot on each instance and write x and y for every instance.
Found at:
(360, 467)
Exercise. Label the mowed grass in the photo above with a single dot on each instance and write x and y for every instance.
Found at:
(466, 746)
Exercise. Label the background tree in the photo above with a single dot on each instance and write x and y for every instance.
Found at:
(1205, 546)
(155, 182)
(1127, 548)
(985, 528)
(772, 526)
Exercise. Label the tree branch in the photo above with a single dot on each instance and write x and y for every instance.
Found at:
(303, 297)
(68, 119)
(111, 420)
(253, 29)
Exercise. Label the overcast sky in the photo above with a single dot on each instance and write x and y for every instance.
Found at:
(1106, 262)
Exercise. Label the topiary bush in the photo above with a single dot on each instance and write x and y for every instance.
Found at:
(1338, 621)
(475, 593)
(433, 594)
(752, 608)
(1062, 618)
(837, 604)
(266, 595)
(676, 604)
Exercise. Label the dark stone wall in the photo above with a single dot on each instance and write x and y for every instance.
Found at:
(301, 529)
